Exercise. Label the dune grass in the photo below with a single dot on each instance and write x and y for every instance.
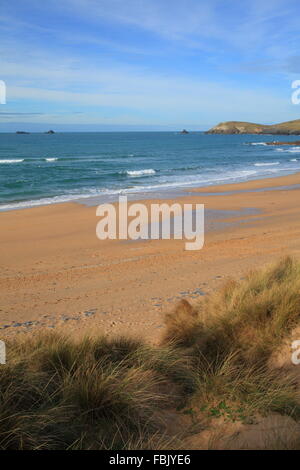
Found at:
(56, 393)
(100, 393)
(252, 315)
(230, 338)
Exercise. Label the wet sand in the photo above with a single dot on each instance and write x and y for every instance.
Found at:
(56, 274)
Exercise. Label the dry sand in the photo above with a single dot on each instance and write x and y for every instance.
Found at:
(55, 273)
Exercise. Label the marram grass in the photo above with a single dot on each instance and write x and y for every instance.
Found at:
(99, 393)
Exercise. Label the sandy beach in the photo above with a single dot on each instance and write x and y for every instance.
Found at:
(56, 274)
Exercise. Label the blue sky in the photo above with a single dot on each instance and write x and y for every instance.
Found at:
(147, 64)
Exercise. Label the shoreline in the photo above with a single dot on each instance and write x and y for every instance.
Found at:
(290, 179)
(56, 274)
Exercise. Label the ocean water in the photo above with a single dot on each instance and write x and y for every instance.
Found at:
(38, 169)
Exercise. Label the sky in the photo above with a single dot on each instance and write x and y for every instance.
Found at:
(88, 65)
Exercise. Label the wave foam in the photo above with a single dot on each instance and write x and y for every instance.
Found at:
(258, 143)
(291, 150)
(51, 159)
(267, 164)
(12, 161)
(136, 173)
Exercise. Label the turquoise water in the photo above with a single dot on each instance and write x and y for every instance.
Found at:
(40, 169)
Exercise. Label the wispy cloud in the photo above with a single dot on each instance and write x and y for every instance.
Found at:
(244, 24)
(149, 61)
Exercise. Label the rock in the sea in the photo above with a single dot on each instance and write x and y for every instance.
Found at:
(50, 132)
(293, 142)
(184, 131)
(22, 132)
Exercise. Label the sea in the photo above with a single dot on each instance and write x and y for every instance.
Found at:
(41, 169)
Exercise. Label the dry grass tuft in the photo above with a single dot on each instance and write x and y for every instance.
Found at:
(230, 338)
(252, 316)
(101, 393)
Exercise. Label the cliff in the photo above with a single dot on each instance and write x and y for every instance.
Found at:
(240, 127)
